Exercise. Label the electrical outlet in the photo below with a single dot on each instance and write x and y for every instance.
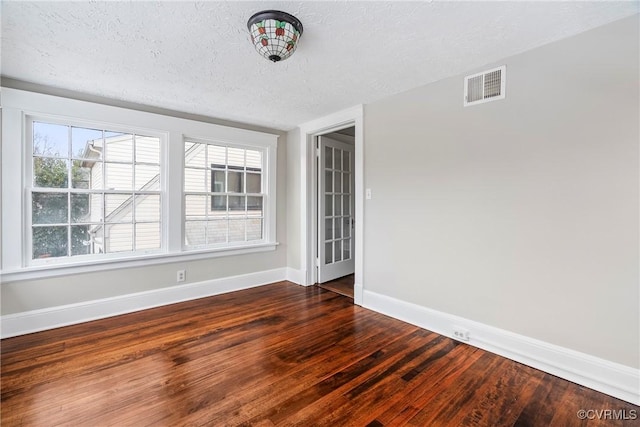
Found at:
(461, 334)
(181, 275)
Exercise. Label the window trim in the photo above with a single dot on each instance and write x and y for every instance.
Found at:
(19, 104)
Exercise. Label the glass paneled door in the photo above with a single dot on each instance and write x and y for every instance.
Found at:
(335, 209)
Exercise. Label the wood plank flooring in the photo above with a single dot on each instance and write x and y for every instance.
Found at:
(279, 354)
(342, 285)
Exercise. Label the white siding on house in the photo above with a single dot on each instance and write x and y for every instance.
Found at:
(147, 235)
(118, 238)
(147, 149)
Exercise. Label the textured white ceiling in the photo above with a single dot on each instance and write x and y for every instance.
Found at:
(196, 57)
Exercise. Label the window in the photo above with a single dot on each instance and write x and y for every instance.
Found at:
(93, 191)
(224, 194)
(87, 187)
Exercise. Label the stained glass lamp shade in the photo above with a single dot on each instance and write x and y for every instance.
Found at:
(275, 34)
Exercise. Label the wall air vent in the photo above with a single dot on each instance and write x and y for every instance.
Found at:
(485, 86)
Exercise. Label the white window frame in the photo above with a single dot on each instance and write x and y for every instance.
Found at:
(15, 182)
(27, 165)
(269, 162)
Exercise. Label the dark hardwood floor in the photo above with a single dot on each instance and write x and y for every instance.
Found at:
(280, 354)
(342, 285)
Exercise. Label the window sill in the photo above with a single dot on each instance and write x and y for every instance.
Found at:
(41, 272)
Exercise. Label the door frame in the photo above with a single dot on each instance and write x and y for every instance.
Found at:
(309, 192)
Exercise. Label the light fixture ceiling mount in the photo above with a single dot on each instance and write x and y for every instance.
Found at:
(275, 34)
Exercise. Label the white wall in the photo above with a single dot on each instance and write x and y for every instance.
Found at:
(522, 213)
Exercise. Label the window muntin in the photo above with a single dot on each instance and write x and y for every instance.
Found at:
(93, 191)
(224, 195)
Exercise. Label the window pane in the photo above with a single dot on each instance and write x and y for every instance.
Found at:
(49, 208)
(97, 180)
(194, 155)
(96, 207)
(338, 251)
(254, 205)
(235, 157)
(49, 242)
(80, 240)
(195, 180)
(235, 184)
(50, 172)
(147, 149)
(80, 174)
(96, 234)
(195, 233)
(118, 237)
(148, 236)
(338, 228)
(328, 229)
(217, 231)
(328, 157)
(346, 227)
(118, 176)
(254, 160)
(346, 183)
(337, 188)
(50, 140)
(118, 207)
(81, 208)
(86, 143)
(337, 164)
(328, 253)
(147, 177)
(119, 148)
(254, 183)
(218, 181)
(346, 203)
(338, 205)
(346, 164)
(254, 229)
(195, 207)
(148, 208)
(328, 181)
(328, 205)
(219, 205)
(237, 230)
(346, 249)
(216, 156)
(237, 204)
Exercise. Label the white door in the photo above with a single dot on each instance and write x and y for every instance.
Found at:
(335, 209)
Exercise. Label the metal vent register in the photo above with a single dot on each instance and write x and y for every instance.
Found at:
(485, 86)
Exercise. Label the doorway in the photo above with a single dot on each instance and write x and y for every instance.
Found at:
(309, 244)
(335, 214)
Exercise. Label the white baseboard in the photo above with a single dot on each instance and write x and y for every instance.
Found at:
(611, 378)
(55, 317)
(295, 276)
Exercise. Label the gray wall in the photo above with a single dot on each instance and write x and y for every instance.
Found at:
(43, 293)
(520, 213)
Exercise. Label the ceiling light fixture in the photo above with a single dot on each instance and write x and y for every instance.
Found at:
(275, 34)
